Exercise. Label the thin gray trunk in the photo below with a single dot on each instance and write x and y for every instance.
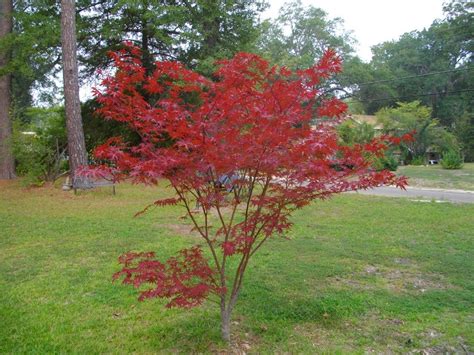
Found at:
(75, 132)
(7, 166)
(225, 325)
(226, 313)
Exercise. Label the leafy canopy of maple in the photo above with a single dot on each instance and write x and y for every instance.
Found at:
(248, 148)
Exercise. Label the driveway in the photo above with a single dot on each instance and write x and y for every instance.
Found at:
(420, 193)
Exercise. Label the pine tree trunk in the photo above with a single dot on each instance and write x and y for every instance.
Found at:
(7, 167)
(75, 132)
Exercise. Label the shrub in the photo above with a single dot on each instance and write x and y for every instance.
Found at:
(40, 147)
(387, 162)
(452, 159)
(419, 160)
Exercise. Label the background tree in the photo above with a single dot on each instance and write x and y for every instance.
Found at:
(173, 29)
(219, 30)
(36, 54)
(196, 32)
(413, 117)
(75, 132)
(351, 132)
(433, 66)
(300, 35)
(7, 168)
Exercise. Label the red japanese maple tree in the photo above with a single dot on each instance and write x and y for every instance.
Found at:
(241, 153)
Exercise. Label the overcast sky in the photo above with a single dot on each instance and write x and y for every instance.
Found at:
(374, 21)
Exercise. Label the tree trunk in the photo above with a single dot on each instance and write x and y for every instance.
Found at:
(7, 167)
(75, 132)
(225, 324)
(147, 59)
(226, 313)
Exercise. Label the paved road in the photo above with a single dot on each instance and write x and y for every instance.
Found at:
(423, 194)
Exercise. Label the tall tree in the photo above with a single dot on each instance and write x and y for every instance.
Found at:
(300, 36)
(433, 65)
(75, 132)
(36, 54)
(7, 167)
(219, 29)
(195, 32)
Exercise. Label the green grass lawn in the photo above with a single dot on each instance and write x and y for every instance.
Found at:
(356, 274)
(436, 176)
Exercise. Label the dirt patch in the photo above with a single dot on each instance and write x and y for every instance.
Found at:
(184, 230)
(225, 211)
(408, 277)
(441, 350)
(7, 183)
(400, 280)
(457, 346)
(403, 261)
(355, 283)
(240, 343)
(326, 340)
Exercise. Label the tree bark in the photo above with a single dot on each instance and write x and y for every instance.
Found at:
(7, 166)
(75, 132)
(225, 324)
(226, 314)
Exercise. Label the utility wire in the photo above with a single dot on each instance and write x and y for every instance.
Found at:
(416, 95)
(414, 76)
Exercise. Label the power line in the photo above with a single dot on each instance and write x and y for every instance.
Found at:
(417, 95)
(414, 76)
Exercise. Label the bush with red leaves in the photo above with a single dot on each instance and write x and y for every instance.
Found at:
(248, 148)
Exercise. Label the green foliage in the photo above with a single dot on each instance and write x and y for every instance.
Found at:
(35, 47)
(441, 48)
(351, 132)
(387, 162)
(418, 160)
(415, 118)
(464, 129)
(194, 31)
(97, 130)
(311, 32)
(40, 147)
(403, 70)
(452, 159)
(355, 107)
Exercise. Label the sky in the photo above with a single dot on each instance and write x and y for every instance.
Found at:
(374, 21)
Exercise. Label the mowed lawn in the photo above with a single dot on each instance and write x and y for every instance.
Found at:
(355, 274)
(437, 177)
